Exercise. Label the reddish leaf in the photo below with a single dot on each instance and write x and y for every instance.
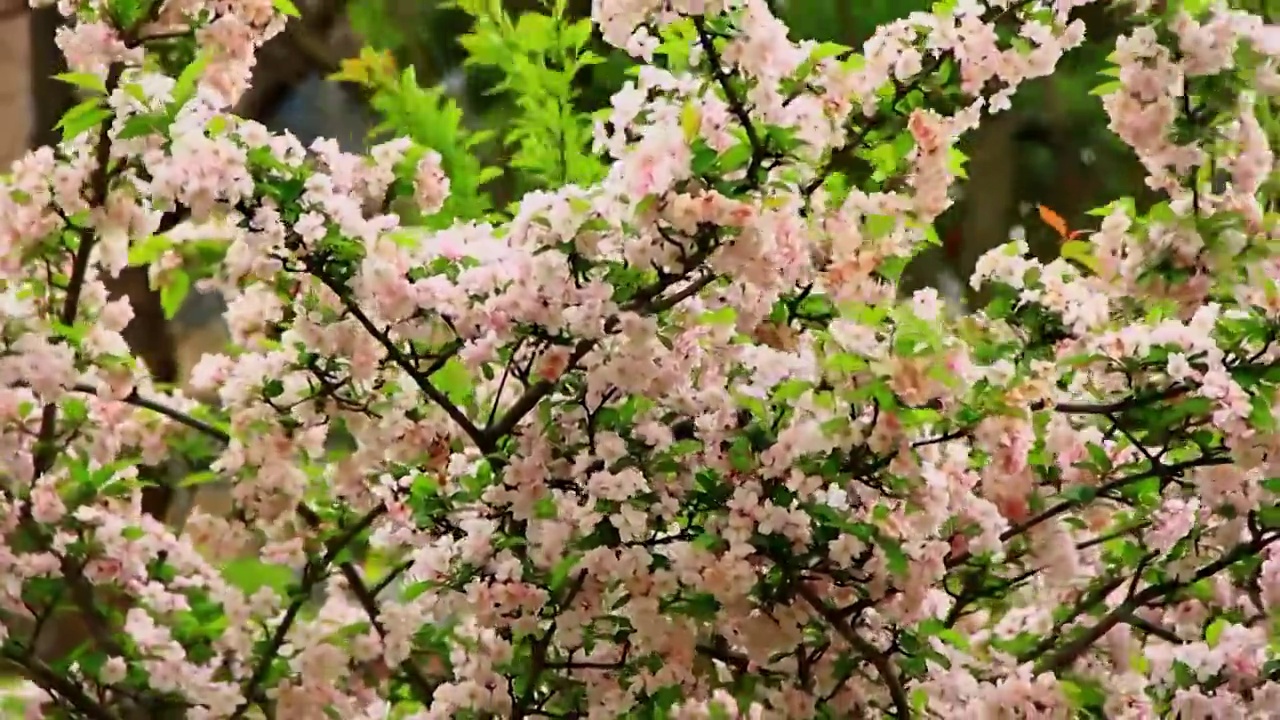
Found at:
(1054, 220)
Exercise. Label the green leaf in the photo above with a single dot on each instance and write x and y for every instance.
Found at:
(1080, 493)
(545, 508)
(1080, 252)
(684, 447)
(141, 126)
(136, 91)
(250, 575)
(1214, 631)
(149, 250)
(174, 292)
(1098, 457)
(707, 541)
(1269, 517)
(1260, 416)
(203, 477)
(690, 121)
(722, 316)
(75, 333)
(920, 701)
(272, 388)
(892, 266)
(791, 390)
(953, 638)
(736, 157)
(560, 572)
(1083, 694)
(877, 226)
(185, 88)
(454, 381)
(286, 8)
(88, 81)
(1107, 88)
(899, 563)
(217, 125)
(81, 118)
(741, 456)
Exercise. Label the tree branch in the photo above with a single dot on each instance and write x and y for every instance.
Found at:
(137, 400)
(1129, 403)
(45, 677)
(1062, 507)
(736, 105)
(647, 300)
(46, 450)
(1153, 629)
(368, 601)
(1069, 653)
(311, 576)
(879, 660)
(421, 379)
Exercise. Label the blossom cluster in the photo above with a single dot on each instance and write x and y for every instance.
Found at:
(667, 445)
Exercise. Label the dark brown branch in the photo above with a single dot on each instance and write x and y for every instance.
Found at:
(1084, 604)
(736, 105)
(1153, 629)
(1069, 653)
(312, 575)
(1062, 507)
(47, 678)
(369, 603)
(879, 660)
(541, 646)
(46, 449)
(420, 378)
(647, 300)
(137, 400)
(280, 66)
(51, 97)
(1118, 406)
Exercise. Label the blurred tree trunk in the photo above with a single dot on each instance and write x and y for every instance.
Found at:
(288, 92)
(983, 214)
(295, 55)
(991, 197)
(15, 86)
(1000, 179)
(51, 97)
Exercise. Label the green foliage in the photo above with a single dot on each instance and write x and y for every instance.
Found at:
(540, 56)
(431, 119)
(537, 62)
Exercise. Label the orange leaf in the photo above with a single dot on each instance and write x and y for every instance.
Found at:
(1054, 220)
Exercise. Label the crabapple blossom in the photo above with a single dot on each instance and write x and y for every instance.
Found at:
(667, 444)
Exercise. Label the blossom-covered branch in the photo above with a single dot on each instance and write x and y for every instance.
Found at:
(666, 444)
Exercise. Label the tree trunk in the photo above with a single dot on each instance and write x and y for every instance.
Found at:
(15, 86)
(51, 97)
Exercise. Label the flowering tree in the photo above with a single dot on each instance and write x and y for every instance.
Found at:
(665, 444)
